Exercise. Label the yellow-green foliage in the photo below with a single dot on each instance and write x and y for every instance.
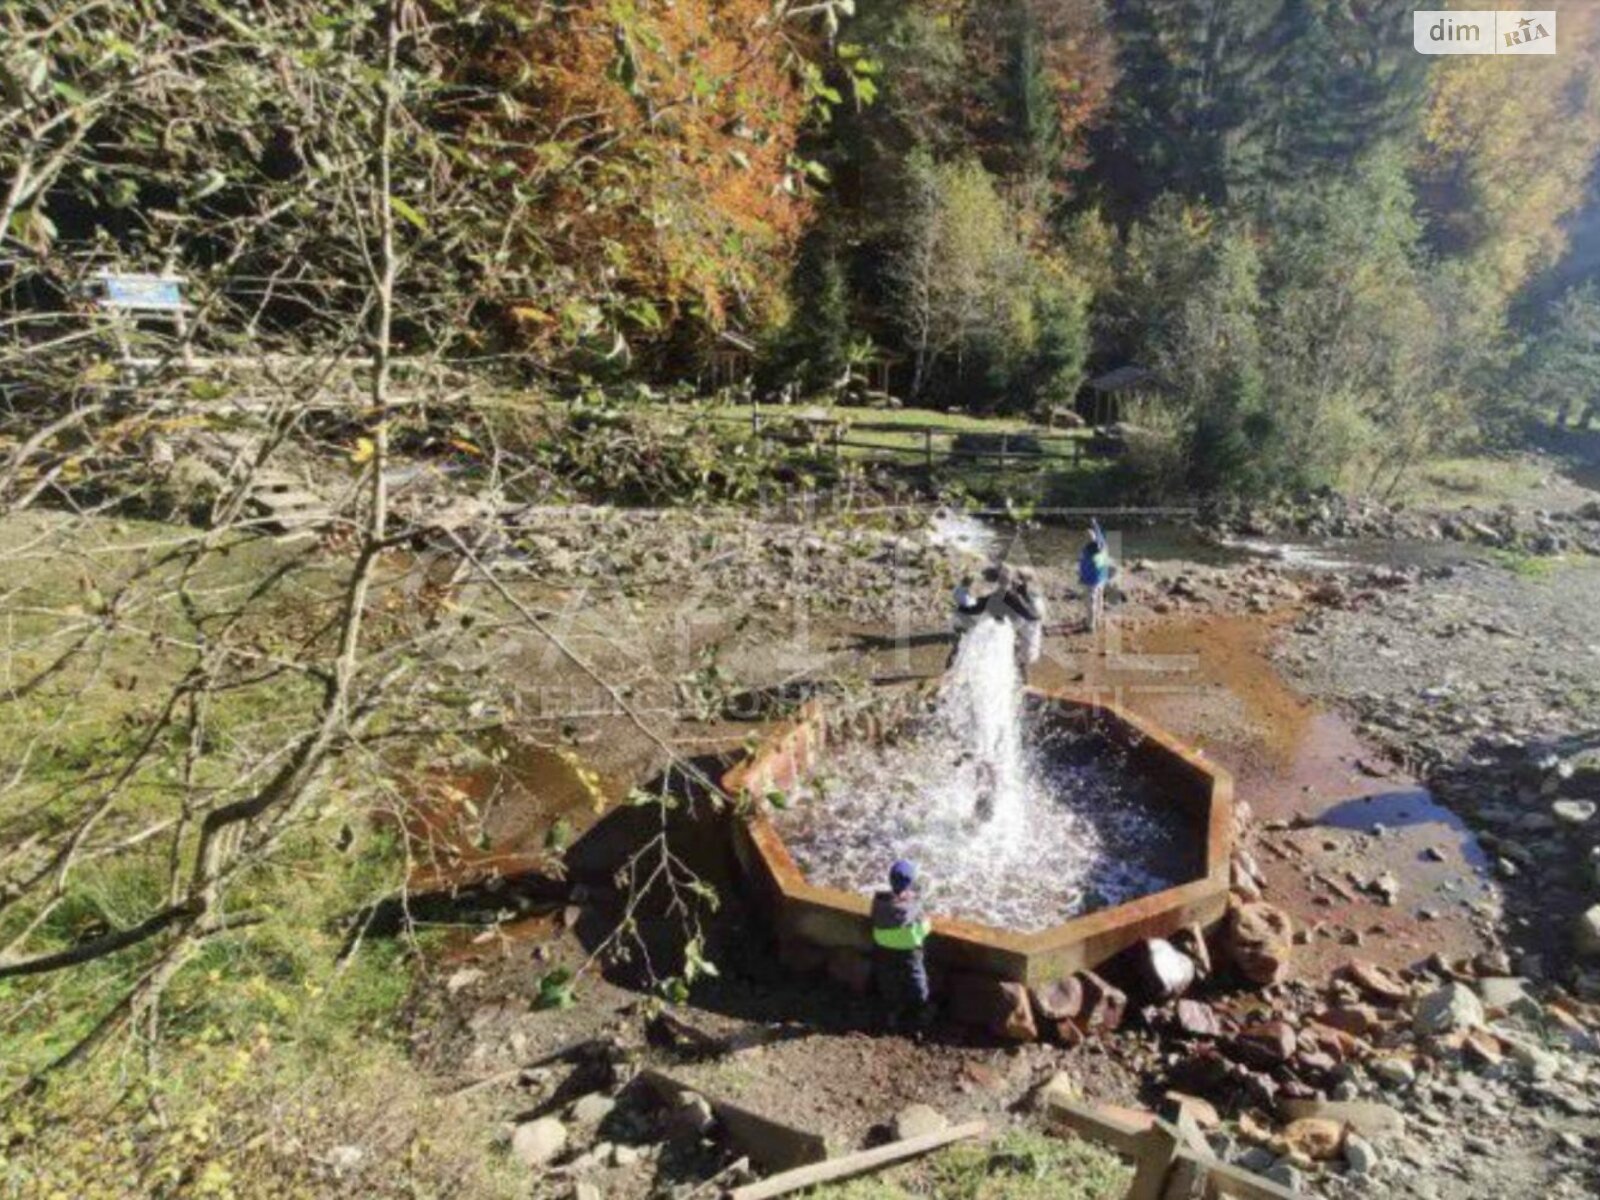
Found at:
(251, 1118)
(273, 1057)
(273, 1060)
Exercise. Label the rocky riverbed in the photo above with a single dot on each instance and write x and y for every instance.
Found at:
(1418, 747)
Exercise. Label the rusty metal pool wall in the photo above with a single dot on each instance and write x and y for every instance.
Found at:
(830, 918)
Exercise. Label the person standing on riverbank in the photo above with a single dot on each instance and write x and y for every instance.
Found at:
(899, 929)
(1094, 573)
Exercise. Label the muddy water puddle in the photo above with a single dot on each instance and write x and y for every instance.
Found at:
(1335, 819)
(507, 816)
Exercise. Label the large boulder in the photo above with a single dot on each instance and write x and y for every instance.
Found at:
(1360, 1158)
(1194, 1018)
(1164, 971)
(535, 1143)
(1103, 1005)
(916, 1120)
(998, 1006)
(1258, 940)
(1059, 1086)
(1315, 1138)
(1378, 983)
(1358, 1020)
(690, 1115)
(1056, 1007)
(1453, 1008)
(1369, 1118)
(1264, 1044)
(1508, 995)
(1058, 1000)
(1573, 812)
(1394, 1070)
(1336, 1043)
(593, 1109)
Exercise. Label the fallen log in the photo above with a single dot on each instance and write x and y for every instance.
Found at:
(859, 1163)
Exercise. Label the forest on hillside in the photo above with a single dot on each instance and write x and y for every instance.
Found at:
(426, 474)
(1326, 250)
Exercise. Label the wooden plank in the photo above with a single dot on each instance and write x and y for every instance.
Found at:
(1159, 1149)
(856, 1164)
(1152, 1164)
(1124, 1136)
(1225, 1180)
(1184, 1180)
(1161, 1157)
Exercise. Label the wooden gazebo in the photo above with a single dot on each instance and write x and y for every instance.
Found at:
(1109, 393)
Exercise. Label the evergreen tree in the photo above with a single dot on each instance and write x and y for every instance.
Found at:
(816, 341)
(1030, 97)
(1195, 106)
(1229, 442)
(1228, 100)
(1351, 81)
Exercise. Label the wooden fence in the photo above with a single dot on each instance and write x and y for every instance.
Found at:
(924, 445)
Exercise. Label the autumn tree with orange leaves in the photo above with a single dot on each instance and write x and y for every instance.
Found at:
(662, 138)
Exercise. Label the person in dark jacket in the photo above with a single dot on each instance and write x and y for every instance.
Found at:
(899, 929)
(1027, 603)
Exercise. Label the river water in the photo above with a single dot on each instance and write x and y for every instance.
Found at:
(1057, 543)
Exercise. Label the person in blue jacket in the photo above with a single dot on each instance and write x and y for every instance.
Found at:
(899, 929)
(1094, 572)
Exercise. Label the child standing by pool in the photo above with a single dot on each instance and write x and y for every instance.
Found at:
(899, 929)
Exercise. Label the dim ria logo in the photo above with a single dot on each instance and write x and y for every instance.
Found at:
(1485, 31)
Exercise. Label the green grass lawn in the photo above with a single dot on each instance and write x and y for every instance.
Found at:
(273, 1050)
(1476, 481)
(957, 422)
(885, 433)
(894, 439)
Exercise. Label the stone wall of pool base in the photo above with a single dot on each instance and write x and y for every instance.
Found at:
(828, 919)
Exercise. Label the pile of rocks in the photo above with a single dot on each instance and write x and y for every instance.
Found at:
(1535, 531)
(609, 1141)
(731, 554)
(1330, 1077)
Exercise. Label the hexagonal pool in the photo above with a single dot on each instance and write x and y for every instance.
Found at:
(1110, 831)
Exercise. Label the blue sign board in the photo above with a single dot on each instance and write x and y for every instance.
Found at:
(146, 292)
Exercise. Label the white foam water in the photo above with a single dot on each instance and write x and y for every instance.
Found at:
(1003, 829)
(980, 717)
(962, 531)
